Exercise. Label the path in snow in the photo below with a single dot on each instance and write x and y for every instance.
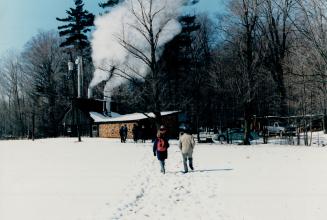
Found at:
(174, 195)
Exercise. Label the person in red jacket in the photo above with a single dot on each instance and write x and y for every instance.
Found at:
(160, 147)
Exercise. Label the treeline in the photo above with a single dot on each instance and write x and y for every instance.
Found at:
(259, 57)
(36, 85)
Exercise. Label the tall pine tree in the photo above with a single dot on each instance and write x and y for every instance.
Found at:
(109, 3)
(79, 23)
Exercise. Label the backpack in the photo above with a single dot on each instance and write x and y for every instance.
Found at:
(161, 145)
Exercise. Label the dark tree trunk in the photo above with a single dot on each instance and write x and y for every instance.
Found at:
(283, 96)
(247, 123)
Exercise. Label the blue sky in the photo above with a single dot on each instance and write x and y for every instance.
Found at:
(22, 19)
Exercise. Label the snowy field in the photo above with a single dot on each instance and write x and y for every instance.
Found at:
(102, 179)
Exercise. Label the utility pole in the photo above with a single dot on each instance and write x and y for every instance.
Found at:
(79, 63)
(75, 115)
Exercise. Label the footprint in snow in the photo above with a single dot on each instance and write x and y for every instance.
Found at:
(212, 196)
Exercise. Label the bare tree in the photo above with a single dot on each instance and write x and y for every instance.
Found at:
(150, 28)
(245, 35)
(276, 26)
(312, 24)
(43, 62)
(14, 94)
(201, 60)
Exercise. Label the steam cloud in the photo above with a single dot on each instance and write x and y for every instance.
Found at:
(122, 23)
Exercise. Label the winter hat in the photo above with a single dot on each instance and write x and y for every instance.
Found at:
(162, 128)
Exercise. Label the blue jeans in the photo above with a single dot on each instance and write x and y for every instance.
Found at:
(190, 162)
(162, 166)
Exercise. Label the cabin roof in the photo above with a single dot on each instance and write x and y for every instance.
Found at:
(100, 118)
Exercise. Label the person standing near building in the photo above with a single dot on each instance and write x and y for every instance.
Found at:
(135, 131)
(121, 133)
(143, 134)
(125, 132)
(186, 145)
(160, 149)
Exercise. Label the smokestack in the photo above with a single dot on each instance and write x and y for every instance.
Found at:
(89, 93)
(108, 106)
(79, 63)
(107, 99)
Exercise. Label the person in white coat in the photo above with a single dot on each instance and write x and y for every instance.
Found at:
(186, 145)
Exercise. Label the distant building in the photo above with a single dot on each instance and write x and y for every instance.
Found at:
(94, 121)
(109, 126)
(79, 114)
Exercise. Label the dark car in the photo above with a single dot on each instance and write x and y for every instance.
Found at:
(234, 134)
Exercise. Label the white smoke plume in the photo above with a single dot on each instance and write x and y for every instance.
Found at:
(109, 56)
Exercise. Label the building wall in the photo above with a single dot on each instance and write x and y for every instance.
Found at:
(69, 124)
(112, 130)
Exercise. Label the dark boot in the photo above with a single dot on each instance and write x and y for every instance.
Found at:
(190, 163)
(185, 164)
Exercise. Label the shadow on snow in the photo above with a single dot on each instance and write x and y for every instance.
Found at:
(201, 171)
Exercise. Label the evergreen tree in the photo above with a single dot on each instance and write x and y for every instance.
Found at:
(177, 63)
(109, 3)
(79, 23)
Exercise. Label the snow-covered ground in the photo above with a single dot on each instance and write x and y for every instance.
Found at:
(102, 179)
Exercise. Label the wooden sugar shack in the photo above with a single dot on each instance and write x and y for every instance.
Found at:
(109, 126)
(94, 120)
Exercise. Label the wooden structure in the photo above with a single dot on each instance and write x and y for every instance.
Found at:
(93, 120)
(109, 127)
(78, 115)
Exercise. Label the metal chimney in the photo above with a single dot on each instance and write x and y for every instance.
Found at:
(79, 63)
(89, 93)
(107, 99)
(108, 105)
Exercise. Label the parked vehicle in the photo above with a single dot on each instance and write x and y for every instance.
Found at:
(233, 134)
(206, 135)
(278, 128)
(275, 128)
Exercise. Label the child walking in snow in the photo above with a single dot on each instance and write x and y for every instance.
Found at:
(160, 147)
